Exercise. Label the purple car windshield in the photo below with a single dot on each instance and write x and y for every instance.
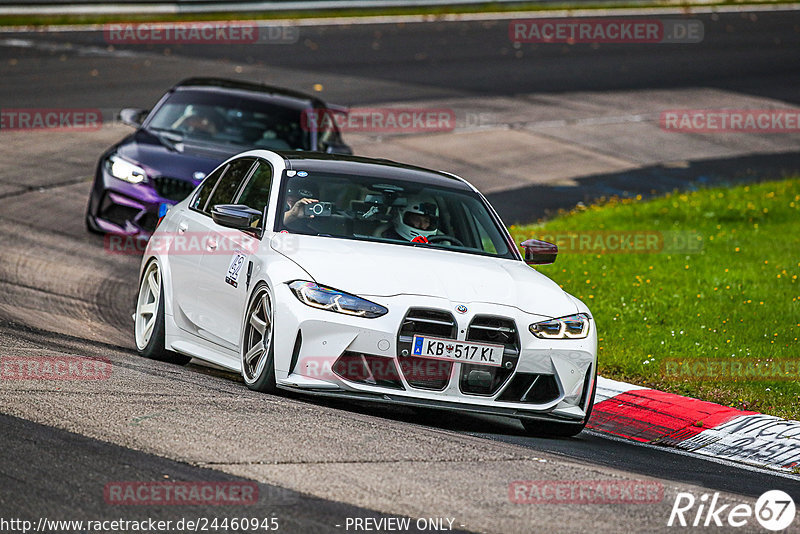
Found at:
(225, 119)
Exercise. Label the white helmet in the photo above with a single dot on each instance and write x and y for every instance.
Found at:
(421, 206)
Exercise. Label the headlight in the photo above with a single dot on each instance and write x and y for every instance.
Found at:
(570, 327)
(329, 299)
(125, 170)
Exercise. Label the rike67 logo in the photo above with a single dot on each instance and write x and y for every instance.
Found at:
(774, 510)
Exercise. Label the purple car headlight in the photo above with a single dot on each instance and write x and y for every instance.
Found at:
(570, 327)
(125, 170)
(334, 300)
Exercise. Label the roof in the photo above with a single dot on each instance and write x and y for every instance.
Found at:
(249, 87)
(382, 168)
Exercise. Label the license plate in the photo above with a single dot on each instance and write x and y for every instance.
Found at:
(460, 351)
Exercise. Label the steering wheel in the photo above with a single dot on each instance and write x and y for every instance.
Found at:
(441, 237)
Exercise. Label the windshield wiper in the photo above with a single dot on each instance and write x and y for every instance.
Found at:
(167, 132)
(169, 137)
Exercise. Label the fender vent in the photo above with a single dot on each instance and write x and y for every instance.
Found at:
(368, 369)
(298, 344)
(531, 388)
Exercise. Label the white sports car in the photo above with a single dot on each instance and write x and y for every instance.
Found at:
(365, 279)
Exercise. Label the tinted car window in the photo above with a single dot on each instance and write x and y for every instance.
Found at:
(228, 185)
(206, 188)
(380, 209)
(232, 119)
(255, 193)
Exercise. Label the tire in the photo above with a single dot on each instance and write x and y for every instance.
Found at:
(149, 319)
(258, 350)
(560, 430)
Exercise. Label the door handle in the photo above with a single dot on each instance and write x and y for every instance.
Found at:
(182, 227)
(212, 244)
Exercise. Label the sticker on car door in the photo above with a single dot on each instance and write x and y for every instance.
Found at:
(235, 268)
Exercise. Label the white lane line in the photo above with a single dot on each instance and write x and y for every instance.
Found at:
(452, 17)
(592, 121)
(81, 50)
(756, 439)
(607, 389)
(722, 461)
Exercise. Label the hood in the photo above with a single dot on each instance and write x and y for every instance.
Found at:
(160, 157)
(381, 269)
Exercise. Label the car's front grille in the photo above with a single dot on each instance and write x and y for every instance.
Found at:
(484, 379)
(425, 373)
(531, 388)
(172, 188)
(368, 369)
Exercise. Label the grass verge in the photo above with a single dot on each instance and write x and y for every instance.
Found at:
(718, 320)
(432, 11)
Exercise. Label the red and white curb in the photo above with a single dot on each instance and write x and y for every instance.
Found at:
(658, 418)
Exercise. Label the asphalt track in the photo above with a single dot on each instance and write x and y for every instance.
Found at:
(317, 463)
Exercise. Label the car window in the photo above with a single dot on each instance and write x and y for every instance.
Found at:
(255, 193)
(206, 188)
(327, 131)
(486, 242)
(376, 208)
(228, 185)
(197, 116)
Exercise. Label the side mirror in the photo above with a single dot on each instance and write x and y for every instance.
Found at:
(132, 116)
(539, 252)
(237, 216)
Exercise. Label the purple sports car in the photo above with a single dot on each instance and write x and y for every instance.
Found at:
(195, 126)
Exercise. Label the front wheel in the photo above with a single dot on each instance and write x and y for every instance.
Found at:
(557, 429)
(257, 352)
(149, 319)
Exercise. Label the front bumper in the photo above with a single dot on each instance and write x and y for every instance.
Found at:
(120, 207)
(327, 353)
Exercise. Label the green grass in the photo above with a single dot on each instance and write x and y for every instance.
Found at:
(455, 8)
(737, 299)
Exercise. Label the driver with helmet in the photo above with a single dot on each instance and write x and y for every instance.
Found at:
(416, 221)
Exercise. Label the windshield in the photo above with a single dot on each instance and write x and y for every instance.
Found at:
(376, 209)
(229, 119)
